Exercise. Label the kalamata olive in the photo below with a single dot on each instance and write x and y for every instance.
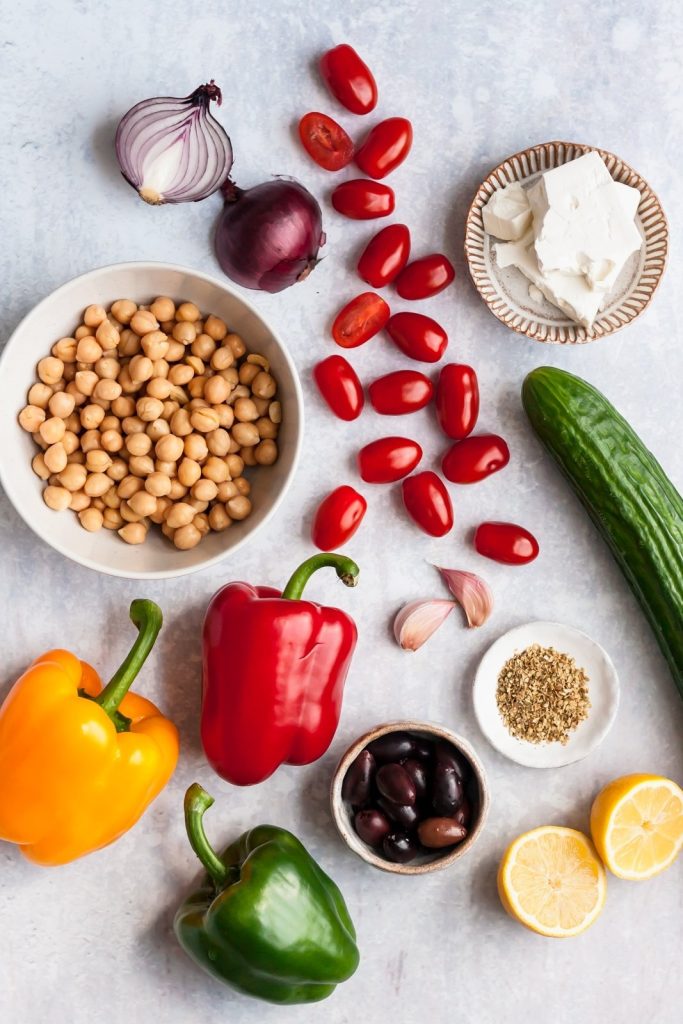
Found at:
(435, 833)
(356, 785)
(417, 771)
(372, 826)
(393, 746)
(423, 749)
(399, 847)
(447, 788)
(403, 814)
(394, 783)
(447, 754)
(464, 812)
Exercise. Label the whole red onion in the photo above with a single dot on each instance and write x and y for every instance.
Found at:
(268, 236)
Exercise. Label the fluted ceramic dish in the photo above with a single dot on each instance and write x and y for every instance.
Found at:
(506, 291)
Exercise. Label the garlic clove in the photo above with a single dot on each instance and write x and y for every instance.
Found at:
(416, 622)
(472, 593)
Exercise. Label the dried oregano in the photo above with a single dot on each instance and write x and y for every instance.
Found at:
(542, 695)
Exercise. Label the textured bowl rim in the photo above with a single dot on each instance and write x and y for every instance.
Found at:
(651, 214)
(358, 846)
(171, 573)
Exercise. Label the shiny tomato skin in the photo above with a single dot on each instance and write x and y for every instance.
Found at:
(325, 141)
(400, 392)
(385, 255)
(506, 543)
(424, 277)
(360, 320)
(457, 400)
(385, 147)
(475, 458)
(418, 336)
(388, 459)
(340, 387)
(349, 79)
(428, 503)
(361, 199)
(337, 518)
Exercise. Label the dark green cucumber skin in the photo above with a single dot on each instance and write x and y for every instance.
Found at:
(628, 495)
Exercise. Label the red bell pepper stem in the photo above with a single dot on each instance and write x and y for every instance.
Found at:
(346, 570)
(197, 801)
(146, 615)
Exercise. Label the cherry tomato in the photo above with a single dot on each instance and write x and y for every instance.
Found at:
(360, 320)
(385, 255)
(424, 277)
(506, 542)
(388, 459)
(400, 392)
(338, 517)
(418, 336)
(428, 504)
(339, 385)
(361, 199)
(385, 147)
(325, 141)
(475, 458)
(457, 400)
(349, 79)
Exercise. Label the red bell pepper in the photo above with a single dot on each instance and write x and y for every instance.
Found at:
(274, 673)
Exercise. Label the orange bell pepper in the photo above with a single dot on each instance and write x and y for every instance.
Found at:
(80, 763)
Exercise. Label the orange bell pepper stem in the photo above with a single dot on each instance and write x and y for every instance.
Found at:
(146, 615)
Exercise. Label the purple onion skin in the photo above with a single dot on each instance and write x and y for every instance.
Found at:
(268, 236)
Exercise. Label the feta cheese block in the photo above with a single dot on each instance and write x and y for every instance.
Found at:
(507, 214)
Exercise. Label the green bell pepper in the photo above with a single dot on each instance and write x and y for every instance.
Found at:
(267, 921)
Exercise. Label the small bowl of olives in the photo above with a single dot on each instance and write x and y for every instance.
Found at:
(410, 797)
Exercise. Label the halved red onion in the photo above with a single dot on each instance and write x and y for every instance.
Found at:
(173, 150)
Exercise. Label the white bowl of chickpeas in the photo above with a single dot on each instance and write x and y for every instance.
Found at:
(151, 420)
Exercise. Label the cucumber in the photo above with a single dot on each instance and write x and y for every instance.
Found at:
(627, 494)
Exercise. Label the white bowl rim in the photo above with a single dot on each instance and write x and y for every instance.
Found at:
(171, 573)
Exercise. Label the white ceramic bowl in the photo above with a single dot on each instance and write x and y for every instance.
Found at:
(57, 316)
(603, 692)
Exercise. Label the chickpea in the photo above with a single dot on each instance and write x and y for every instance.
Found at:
(97, 484)
(204, 420)
(185, 333)
(176, 350)
(91, 439)
(239, 507)
(187, 537)
(157, 429)
(196, 387)
(91, 519)
(231, 375)
(143, 321)
(158, 484)
(112, 519)
(275, 412)
(107, 336)
(111, 499)
(127, 514)
(180, 423)
(128, 385)
(158, 388)
(31, 418)
(196, 363)
(50, 370)
(159, 514)
(61, 404)
(245, 410)
(215, 469)
(247, 373)
(170, 406)
(222, 359)
(226, 416)
(219, 519)
(111, 440)
(91, 416)
(189, 472)
(163, 308)
(242, 484)
(57, 498)
(167, 531)
(265, 452)
(123, 310)
(118, 470)
(169, 448)
(248, 455)
(77, 457)
(154, 344)
(140, 368)
(141, 465)
(107, 390)
(143, 503)
(71, 444)
(73, 477)
(65, 349)
(168, 469)
(39, 395)
(82, 332)
(204, 490)
(218, 441)
(241, 391)
(227, 490)
(55, 457)
(86, 381)
(216, 390)
(129, 343)
(178, 490)
(133, 533)
(88, 351)
(245, 434)
(70, 370)
(180, 514)
(201, 522)
(38, 466)
(97, 461)
(161, 368)
(204, 347)
(149, 409)
(133, 425)
(235, 344)
(196, 403)
(129, 486)
(181, 374)
(266, 428)
(197, 504)
(261, 405)
(123, 406)
(107, 368)
(187, 311)
(258, 360)
(263, 385)
(195, 447)
(94, 315)
(79, 501)
(215, 327)
(235, 466)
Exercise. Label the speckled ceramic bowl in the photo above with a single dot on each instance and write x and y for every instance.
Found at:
(479, 795)
(506, 291)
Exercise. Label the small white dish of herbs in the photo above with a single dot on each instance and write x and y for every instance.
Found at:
(545, 694)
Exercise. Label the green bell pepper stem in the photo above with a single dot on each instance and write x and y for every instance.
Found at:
(197, 802)
(146, 615)
(346, 570)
